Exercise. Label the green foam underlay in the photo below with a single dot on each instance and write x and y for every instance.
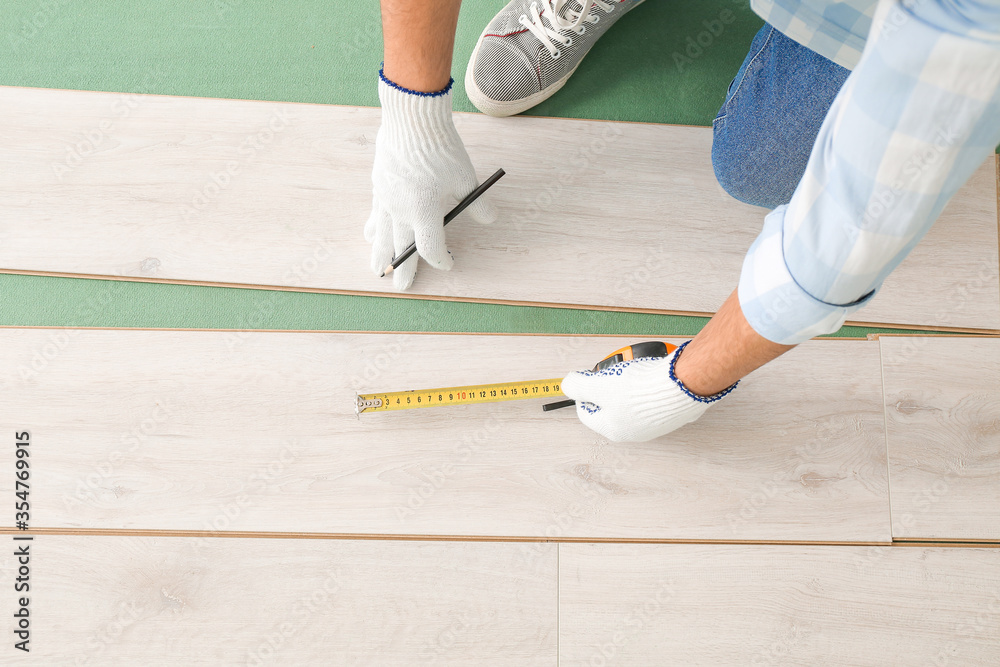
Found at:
(668, 61)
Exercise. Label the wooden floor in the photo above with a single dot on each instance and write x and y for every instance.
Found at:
(123, 600)
(184, 601)
(261, 193)
(942, 407)
(773, 605)
(211, 498)
(202, 430)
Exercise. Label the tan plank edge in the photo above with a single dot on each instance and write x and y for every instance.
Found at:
(303, 194)
(431, 297)
(386, 332)
(960, 544)
(726, 605)
(463, 538)
(404, 538)
(214, 409)
(942, 411)
(877, 336)
(98, 601)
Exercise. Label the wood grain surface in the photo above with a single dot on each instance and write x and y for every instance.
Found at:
(244, 431)
(126, 601)
(262, 193)
(942, 407)
(677, 604)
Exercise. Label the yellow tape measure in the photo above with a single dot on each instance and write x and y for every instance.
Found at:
(505, 391)
(477, 393)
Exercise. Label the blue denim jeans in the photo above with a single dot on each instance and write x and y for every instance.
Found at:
(768, 124)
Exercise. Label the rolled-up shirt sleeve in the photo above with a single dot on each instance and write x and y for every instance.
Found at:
(913, 121)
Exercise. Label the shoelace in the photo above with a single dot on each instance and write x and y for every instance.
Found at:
(572, 21)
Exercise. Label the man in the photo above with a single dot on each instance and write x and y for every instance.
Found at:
(857, 121)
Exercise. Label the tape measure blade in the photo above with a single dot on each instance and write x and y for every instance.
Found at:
(466, 395)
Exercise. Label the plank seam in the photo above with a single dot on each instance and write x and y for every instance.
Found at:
(420, 333)
(945, 541)
(558, 603)
(885, 437)
(410, 537)
(876, 336)
(134, 532)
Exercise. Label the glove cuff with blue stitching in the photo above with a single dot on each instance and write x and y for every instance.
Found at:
(416, 120)
(637, 400)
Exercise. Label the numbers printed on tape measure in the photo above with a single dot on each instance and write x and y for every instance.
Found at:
(487, 393)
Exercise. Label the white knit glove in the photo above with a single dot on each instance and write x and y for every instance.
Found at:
(420, 164)
(637, 400)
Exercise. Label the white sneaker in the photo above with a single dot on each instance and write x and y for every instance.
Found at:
(531, 48)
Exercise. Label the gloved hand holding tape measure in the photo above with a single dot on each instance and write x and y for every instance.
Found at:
(634, 395)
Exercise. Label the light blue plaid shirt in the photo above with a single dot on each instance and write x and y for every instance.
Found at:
(835, 30)
(916, 117)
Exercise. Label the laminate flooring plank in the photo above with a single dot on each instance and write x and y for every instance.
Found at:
(104, 600)
(242, 431)
(942, 407)
(276, 194)
(716, 605)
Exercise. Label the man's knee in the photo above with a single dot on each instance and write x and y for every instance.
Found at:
(755, 173)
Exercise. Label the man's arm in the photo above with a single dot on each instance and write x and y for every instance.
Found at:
(421, 165)
(876, 181)
(913, 121)
(725, 350)
(419, 37)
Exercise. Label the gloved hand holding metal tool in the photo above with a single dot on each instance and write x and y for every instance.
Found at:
(420, 163)
(639, 398)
